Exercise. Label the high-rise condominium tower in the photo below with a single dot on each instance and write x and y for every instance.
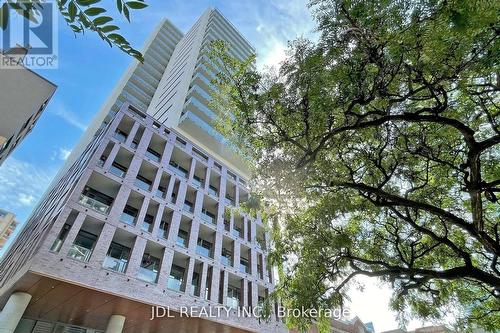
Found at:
(138, 216)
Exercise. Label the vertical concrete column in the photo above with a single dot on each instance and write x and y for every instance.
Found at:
(13, 311)
(82, 183)
(132, 133)
(236, 195)
(174, 227)
(166, 266)
(119, 204)
(136, 256)
(144, 143)
(193, 235)
(157, 221)
(156, 181)
(244, 293)
(133, 169)
(236, 254)
(218, 246)
(181, 195)
(142, 213)
(207, 178)
(103, 242)
(170, 189)
(203, 282)
(115, 324)
(225, 284)
(255, 294)
(214, 288)
(253, 262)
(198, 205)
(111, 157)
(192, 167)
(167, 153)
(75, 228)
(245, 228)
(188, 276)
(264, 266)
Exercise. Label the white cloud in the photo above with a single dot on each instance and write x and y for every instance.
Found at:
(58, 108)
(64, 153)
(22, 184)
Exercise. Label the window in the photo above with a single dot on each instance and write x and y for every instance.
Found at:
(82, 246)
(149, 268)
(182, 238)
(129, 214)
(176, 277)
(204, 247)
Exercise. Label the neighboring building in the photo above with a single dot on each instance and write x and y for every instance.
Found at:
(8, 224)
(23, 96)
(426, 329)
(138, 216)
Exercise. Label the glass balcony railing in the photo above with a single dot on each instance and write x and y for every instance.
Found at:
(79, 253)
(208, 217)
(244, 268)
(233, 302)
(203, 251)
(197, 182)
(182, 241)
(229, 201)
(188, 207)
(163, 233)
(120, 136)
(174, 284)
(147, 275)
(213, 191)
(127, 218)
(160, 193)
(117, 171)
(142, 184)
(236, 233)
(178, 171)
(226, 261)
(154, 156)
(115, 264)
(94, 204)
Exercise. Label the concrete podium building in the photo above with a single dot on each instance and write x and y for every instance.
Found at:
(137, 217)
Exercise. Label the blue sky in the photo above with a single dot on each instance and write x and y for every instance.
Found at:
(88, 71)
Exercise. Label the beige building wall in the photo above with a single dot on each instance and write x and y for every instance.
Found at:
(8, 224)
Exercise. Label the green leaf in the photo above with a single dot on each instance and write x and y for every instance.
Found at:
(72, 10)
(87, 2)
(126, 13)
(102, 20)
(4, 16)
(119, 5)
(117, 38)
(136, 4)
(94, 11)
(109, 28)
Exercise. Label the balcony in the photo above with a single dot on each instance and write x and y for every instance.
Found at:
(236, 232)
(118, 170)
(233, 302)
(118, 265)
(79, 253)
(147, 224)
(178, 170)
(147, 274)
(120, 136)
(198, 182)
(129, 214)
(182, 238)
(208, 217)
(174, 284)
(213, 191)
(143, 183)
(226, 260)
(153, 155)
(244, 267)
(188, 206)
(161, 192)
(203, 251)
(94, 204)
(229, 200)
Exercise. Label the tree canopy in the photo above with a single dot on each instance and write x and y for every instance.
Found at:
(376, 153)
